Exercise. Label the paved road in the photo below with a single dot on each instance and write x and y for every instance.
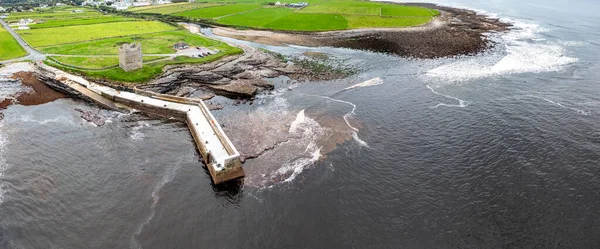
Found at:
(33, 54)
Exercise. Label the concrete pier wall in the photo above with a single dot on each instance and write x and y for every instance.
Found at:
(219, 154)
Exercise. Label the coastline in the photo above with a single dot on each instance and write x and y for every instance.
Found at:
(455, 32)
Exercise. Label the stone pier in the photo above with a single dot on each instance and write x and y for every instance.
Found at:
(220, 156)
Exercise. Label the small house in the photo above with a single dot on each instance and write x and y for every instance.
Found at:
(277, 3)
(181, 46)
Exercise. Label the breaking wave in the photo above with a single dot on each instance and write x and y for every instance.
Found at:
(521, 50)
(309, 130)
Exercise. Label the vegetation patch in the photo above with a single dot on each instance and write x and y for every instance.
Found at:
(9, 47)
(155, 43)
(256, 18)
(87, 62)
(355, 21)
(147, 72)
(218, 11)
(71, 34)
(53, 23)
(173, 8)
(319, 15)
(309, 22)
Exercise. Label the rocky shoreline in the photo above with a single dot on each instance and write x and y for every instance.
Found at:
(235, 77)
(455, 32)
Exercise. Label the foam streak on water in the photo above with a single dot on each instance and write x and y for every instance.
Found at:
(3, 166)
(168, 177)
(582, 112)
(461, 103)
(346, 117)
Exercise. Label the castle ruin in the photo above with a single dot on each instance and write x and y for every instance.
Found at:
(130, 56)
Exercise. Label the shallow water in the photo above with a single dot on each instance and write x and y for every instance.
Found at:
(498, 150)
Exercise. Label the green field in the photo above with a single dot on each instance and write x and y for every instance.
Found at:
(149, 70)
(79, 33)
(96, 62)
(320, 15)
(155, 43)
(256, 18)
(172, 8)
(309, 22)
(9, 47)
(52, 23)
(94, 39)
(218, 11)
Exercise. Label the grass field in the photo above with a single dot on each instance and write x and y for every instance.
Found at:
(149, 70)
(320, 15)
(9, 47)
(355, 21)
(173, 8)
(256, 18)
(218, 11)
(79, 33)
(309, 22)
(52, 23)
(155, 43)
(96, 62)
(95, 37)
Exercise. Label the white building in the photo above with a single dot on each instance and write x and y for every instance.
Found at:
(24, 24)
(141, 3)
(43, 6)
(2, 9)
(163, 1)
(121, 5)
(59, 4)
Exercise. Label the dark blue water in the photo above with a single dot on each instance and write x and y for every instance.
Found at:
(498, 150)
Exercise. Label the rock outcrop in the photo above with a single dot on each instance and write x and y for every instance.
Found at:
(234, 77)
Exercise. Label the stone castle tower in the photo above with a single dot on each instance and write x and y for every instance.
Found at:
(130, 56)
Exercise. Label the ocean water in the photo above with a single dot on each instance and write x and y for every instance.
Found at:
(496, 150)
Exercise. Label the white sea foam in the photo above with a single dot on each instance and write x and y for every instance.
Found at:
(461, 103)
(582, 112)
(371, 82)
(136, 133)
(311, 155)
(521, 50)
(30, 118)
(167, 177)
(346, 117)
(3, 165)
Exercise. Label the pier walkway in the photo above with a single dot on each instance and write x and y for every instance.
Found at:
(219, 154)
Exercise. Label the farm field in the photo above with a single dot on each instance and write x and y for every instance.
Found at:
(9, 47)
(155, 43)
(319, 15)
(87, 42)
(78, 33)
(172, 8)
(219, 11)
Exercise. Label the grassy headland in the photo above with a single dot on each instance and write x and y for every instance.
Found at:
(319, 15)
(87, 42)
